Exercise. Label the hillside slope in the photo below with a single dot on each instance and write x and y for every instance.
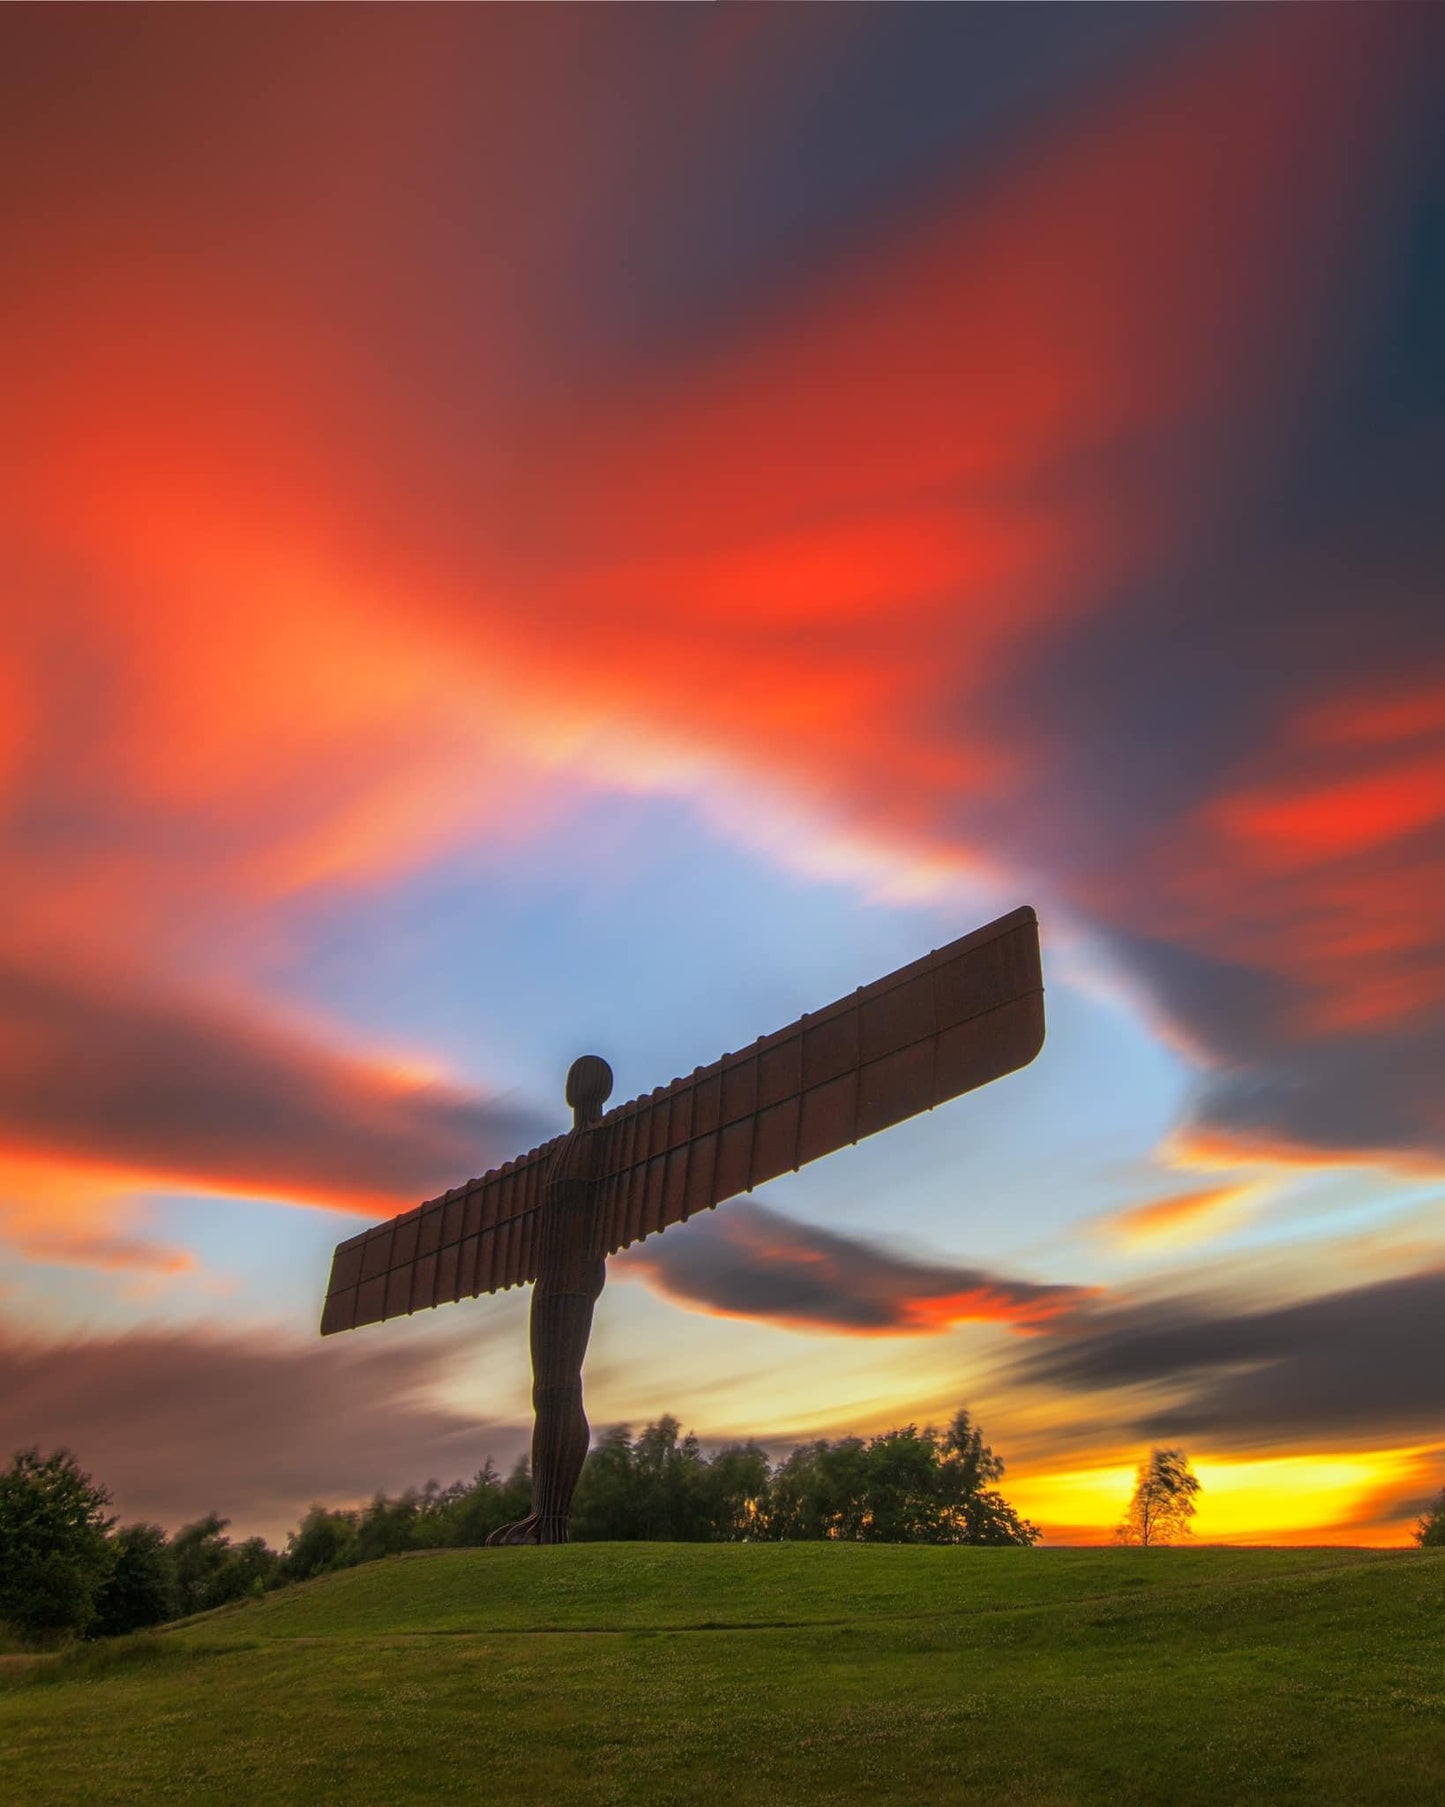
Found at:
(767, 1674)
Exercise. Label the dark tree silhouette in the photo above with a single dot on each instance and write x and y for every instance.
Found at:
(141, 1588)
(323, 1541)
(903, 1486)
(54, 1552)
(1430, 1532)
(211, 1570)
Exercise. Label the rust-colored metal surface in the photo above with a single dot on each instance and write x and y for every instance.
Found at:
(965, 1015)
(962, 1016)
(954, 1020)
(477, 1238)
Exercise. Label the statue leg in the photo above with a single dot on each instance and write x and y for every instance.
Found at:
(561, 1325)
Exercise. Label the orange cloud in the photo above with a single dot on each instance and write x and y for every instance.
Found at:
(109, 1252)
(1412, 711)
(1327, 870)
(995, 361)
(1180, 1218)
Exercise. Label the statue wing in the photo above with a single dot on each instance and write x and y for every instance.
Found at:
(962, 1016)
(477, 1238)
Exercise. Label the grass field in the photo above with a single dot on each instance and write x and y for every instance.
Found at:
(771, 1674)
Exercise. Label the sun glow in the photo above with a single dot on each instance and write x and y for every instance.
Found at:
(1325, 1498)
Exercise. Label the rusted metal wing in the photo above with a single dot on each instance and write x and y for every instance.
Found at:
(477, 1238)
(954, 1020)
(960, 1017)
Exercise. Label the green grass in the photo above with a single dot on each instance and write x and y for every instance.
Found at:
(767, 1674)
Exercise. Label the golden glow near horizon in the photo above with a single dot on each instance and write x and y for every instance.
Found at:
(1266, 1499)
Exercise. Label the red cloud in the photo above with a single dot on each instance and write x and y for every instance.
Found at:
(295, 597)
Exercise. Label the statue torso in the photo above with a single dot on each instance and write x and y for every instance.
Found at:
(567, 1258)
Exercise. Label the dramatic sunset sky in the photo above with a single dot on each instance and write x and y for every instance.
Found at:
(527, 532)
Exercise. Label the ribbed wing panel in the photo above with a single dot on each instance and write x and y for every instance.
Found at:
(477, 1238)
(960, 1017)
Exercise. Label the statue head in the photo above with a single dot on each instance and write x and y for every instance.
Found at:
(589, 1086)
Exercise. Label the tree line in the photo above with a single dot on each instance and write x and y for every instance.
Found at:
(65, 1567)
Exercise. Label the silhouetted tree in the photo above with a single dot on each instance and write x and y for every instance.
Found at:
(653, 1486)
(670, 1497)
(212, 1571)
(468, 1513)
(325, 1540)
(387, 1527)
(819, 1490)
(975, 1511)
(141, 1588)
(735, 1491)
(1430, 1532)
(604, 1507)
(253, 1568)
(902, 1486)
(1163, 1500)
(54, 1552)
(900, 1500)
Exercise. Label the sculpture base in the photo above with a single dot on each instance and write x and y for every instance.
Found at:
(535, 1528)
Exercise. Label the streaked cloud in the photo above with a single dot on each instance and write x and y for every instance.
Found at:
(748, 1261)
(109, 1252)
(1360, 1363)
(179, 1423)
(132, 1079)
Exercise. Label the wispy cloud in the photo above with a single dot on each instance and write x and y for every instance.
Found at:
(1177, 1219)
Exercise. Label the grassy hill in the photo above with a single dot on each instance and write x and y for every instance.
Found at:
(767, 1674)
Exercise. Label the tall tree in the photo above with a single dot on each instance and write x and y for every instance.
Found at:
(735, 1487)
(141, 1588)
(1162, 1505)
(54, 1552)
(974, 1510)
(325, 1540)
(211, 1570)
(467, 1513)
(902, 1486)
